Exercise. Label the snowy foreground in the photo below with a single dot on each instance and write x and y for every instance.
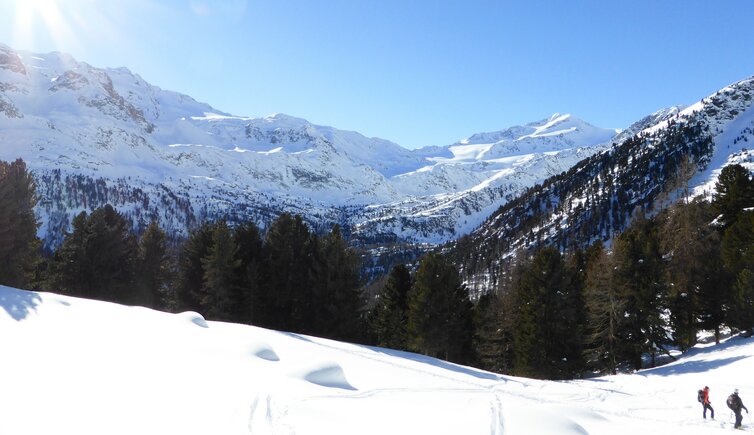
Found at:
(74, 366)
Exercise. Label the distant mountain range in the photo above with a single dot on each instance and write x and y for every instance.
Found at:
(94, 136)
(660, 159)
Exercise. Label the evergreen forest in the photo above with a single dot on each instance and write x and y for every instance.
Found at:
(557, 311)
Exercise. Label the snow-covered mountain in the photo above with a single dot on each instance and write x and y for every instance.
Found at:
(79, 366)
(94, 136)
(643, 171)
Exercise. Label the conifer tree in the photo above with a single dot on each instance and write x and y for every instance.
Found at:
(737, 254)
(187, 291)
(98, 259)
(547, 339)
(220, 286)
(439, 313)
(249, 242)
(287, 288)
(67, 270)
(638, 276)
(19, 246)
(491, 338)
(337, 298)
(605, 313)
(391, 311)
(734, 191)
(743, 300)
(691, 248)
(153, 268)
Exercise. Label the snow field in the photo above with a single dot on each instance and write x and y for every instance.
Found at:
(73, 365)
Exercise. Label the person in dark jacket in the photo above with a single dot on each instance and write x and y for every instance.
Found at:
(706, 404)
(735, 404)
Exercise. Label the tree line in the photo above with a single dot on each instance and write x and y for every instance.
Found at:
(619, 307)
(286, 277)
(593, 200)
(553, 314)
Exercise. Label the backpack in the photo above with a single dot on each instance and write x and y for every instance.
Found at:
(734, 403)
(700, 396)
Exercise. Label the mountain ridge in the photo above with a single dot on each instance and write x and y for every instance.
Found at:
(598, 197)
(134, 139)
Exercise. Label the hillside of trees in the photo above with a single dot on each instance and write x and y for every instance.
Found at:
(594, 200)
(555, 314)
(598, 197)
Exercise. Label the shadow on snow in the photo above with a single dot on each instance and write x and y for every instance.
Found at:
(689, 363)
(18, 303)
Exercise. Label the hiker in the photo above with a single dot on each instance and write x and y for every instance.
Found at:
(735, 404)
(704, 399)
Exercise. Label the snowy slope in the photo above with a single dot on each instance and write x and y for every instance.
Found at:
(149, 146)
(596, 199)
(86, 367)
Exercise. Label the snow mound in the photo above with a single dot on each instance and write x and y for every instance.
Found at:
(263, 351)
(328, 374)
(193, 317)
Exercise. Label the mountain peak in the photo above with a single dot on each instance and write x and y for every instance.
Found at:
(558, 124)
(558, 116)
(286, 120)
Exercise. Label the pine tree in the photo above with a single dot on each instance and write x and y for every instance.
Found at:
(440, 314)
(491, 341)
(287, 286)
(605, 313)
(638, 276)
(249, 242)
(153, 267)
(68, 271)
(737, 253)
(220, 286)
(743, 300)
(734, 191)
(19, 246)
(391, 310)
(187, 291)
(98, 259)
(337, 300)
(691, 248)
(574, 312)
(547, 341)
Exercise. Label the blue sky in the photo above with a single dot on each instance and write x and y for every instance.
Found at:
(415, 72)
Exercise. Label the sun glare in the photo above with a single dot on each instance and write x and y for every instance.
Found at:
(39, 19)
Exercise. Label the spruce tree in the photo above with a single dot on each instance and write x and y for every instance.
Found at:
(734, 191)
(737, 253)
(286, 275)
(98, 259)
(547, 341)
(153, 270)
(605, 314)
(491, 348)
(440, 314)
(638, 276)
(187, 291)
(220, 290)
(19, 246)
(337, 302)
(67, 270)
(249, 242)
(391, 310)
(691, 250)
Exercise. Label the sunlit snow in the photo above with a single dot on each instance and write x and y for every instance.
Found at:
(75, 366)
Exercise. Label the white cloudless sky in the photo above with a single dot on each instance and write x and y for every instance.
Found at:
(414, 72)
